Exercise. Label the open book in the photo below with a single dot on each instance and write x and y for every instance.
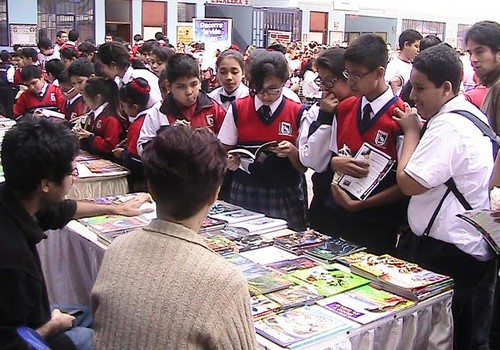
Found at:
(380, 165)
(253, 154)
(487, 222)
(51, 114)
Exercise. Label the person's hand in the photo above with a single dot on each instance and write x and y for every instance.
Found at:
(132, 207)
(284, 149)
(328, 102)
(408, 119)
(117, 152)
(82, 134)
(233, 162)
(349, 166)
(61, 321)
(342, 198)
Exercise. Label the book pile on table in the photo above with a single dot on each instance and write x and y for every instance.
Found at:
(91, 166)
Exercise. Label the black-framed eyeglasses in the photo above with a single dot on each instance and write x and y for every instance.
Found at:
(356, 77)
(328, 83)
(268, 91)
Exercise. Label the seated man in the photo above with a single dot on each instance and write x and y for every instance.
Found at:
(38, 158)
(161, 287)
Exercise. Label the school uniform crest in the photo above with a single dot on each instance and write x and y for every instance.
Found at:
(52, 97)
(98, 124)
(210, 119)
(285, 129)
(381, 138)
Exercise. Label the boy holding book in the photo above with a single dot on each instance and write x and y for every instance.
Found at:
(366, 117)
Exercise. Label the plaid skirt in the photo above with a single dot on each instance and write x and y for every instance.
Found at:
(288, 203)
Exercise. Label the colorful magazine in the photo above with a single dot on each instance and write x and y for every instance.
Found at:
(355, 258)
(287, 266)
(333, 249)
(262, 306)
(268, 283)
(249, 268)
(301, 326)
(300, 240)
(294, 296)
(219, 243)
(365, 304)
(327, 282)
(114, 223)
(210, 224)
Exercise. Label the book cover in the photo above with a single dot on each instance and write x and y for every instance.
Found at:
(220, 207)
(333, 249)
(355, 258)
(486, 222)
(301, 239)
(251, 242)
(267, 283)
(365, 304)
(260, 225)
(219, 243)
(255, 152)
(114, 223)
(262, 306)
(249, 268)
(268, 255)
(237, 216)
(328, 282)
(210, 224)
(287, 266)
(294, 296)
(300, 326)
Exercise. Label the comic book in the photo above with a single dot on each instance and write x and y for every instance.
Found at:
(249, 268)
(365, 304)
(333, 249)
(268, 283)
(262, 306)
(299, 241)
(108, 227)
(220, 207)
(210, 225)
(355, 258)
(294, 296)
(327, 282)
(301, 326)
(287, 266)
(219, 243)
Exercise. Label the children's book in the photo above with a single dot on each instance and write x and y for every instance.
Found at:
(260, 225)
(249, 268)
(365, 304)
(327, 282)
(355, 258)
(333, 249)
(210, 224)
(219, 243)
(251, 242)
(262, 306)
(487, 222)
(301, 326)
(237, 216)
(295, 296)
(298, 241)
(108, 227)
(267, 283)
(380, 165)
(220, 207)
(287, 266)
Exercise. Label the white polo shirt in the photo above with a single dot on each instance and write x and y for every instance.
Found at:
(452, 146)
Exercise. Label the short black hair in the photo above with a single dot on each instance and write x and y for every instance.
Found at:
(86, 48)
(332, 59)
(159, 36)
(135, 92)
(31, 72)
(429, 41)
(35, 150)
(277, 47)
(55, 67)
(182, 65)
(114, 53)
(5, 56)
(409, 36)
(82, 67)
(64, 78)
(137, 37)
(73, 35)
(440, 63)
(44, 43)
(107, 88)
(184, 168)
(368, 50)
(29, 52)
(265, 65)
(485, 33)
(163, 53)
(148, 46)
(69, 52)
(59, 33)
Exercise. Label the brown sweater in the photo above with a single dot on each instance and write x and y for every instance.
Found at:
(162, 288)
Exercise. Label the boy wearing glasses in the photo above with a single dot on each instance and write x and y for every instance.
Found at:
(75, 105)
(366, 117)
(273, 185)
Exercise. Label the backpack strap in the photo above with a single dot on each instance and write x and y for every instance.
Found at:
(450, 187)
(485, 128)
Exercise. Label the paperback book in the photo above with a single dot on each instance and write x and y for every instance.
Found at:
(237, 216)
(108, 227)
(301, 326)
(298, 241)
(268, 283)
(287, 266)
(327, 282)
(365, 304)
(219, 243)
(210, 224)
(253, 154)
(249, 268)
(220, 207)
(333, 249)
(295, 296)
(260, 225)
(487, 222)
(262, 306)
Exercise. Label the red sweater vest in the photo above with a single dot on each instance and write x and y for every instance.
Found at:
(52, 99)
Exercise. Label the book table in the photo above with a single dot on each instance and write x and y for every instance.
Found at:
(71, 258)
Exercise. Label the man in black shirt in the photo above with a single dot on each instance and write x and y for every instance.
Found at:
(38, 158)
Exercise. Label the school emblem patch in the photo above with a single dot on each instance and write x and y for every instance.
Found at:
(98, 124)
(210, 120)
(285, 129)
(52, 97)
(381, 138)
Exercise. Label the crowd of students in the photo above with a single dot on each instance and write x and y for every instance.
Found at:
(141, 107)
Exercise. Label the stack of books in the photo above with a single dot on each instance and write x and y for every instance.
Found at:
(297, 242)
(90, 166)
(332, 250)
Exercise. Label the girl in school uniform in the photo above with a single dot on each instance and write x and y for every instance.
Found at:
(134, 97)
(105, 126)
(272, 185)
(230, 68)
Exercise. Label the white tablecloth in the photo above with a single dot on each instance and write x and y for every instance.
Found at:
(71, 258)
(98, 187)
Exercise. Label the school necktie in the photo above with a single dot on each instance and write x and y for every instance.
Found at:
(265, 114)
(224, 98)
(367, 116)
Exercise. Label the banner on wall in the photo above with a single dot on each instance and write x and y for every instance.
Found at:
(274, 36)
(23, 34)
(185, 34)
(214, 32)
